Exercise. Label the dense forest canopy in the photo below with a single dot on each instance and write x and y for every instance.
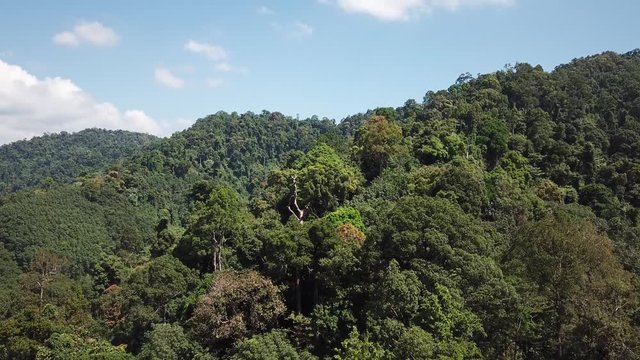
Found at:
(64, 157)
(497, 219)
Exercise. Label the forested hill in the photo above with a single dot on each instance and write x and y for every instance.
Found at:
(63, 157)
(497, 219)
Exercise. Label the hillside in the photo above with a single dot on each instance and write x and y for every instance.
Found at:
(63, 157)
(497, 219)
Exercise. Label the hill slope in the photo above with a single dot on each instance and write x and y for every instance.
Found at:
(64, 156)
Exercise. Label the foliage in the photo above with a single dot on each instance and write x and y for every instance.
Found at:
(61, 158)
(237, 305)
(169, 341)
(377, 141)
(499, 219)
(273, 345)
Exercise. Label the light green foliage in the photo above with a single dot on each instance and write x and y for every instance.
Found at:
(318, 182)
(344, 215)
(459, 181)
(169, 342)
(439, 142)
(517, 166)
(273, 345)
(217, 222)
(62, 346)
(415, 344)
(357, 348)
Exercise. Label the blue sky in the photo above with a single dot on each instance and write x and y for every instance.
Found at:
(156, 66)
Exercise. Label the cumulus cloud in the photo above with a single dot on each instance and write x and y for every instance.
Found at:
(213, 52)
(401, 10)
(93, 33)
(30, 107)
(167, 78)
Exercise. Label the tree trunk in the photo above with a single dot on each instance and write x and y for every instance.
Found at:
(298, 213)
(298, 293)
(316, 293)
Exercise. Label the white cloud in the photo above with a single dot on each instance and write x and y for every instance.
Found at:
(401, 10)
(263, 10)
(30, 107)
(167, 78)
(213, 52)
(87, 32)
(300, 30)
(215, 83)
(294, 30)
(225, 67)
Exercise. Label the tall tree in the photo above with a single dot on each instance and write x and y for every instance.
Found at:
(378, 141)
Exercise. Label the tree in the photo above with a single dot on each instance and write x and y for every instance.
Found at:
(238, 305)
(48, 266)
(579, 297)
(158, 291)
(494, 135)
(378, 141)
(62, 346)
(214, 223)
(356, 347)
(169, 342)
(273, 345)
(315, 183)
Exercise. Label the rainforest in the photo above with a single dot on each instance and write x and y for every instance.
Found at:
(496, 219)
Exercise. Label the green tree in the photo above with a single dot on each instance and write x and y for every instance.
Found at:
(62, 346)
(315, 183)
(579, 297)
(214, 223)
(273, 345)
(377, 142)
(169, 342)
(356, 347)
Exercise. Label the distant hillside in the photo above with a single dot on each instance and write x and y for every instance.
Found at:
(64, 156)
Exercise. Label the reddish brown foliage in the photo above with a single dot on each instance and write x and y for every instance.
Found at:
(238, 305)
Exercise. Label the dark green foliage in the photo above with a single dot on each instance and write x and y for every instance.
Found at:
(157, 292)
(61, 158)
(577, 297)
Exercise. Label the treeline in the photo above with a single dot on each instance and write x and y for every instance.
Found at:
(63, 157)
(496, 219)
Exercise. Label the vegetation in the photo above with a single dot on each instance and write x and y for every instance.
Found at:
(497, 219)
(61, 158)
